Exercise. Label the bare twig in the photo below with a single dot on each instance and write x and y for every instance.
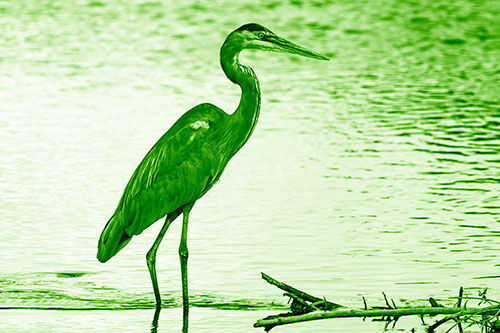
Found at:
(460, 295)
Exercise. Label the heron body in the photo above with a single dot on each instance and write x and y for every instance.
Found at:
(191, 156)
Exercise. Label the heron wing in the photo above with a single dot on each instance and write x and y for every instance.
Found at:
(177, 170)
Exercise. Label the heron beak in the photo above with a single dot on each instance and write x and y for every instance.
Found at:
(282, 45)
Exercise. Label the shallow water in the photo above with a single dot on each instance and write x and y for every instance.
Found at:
(376, 171)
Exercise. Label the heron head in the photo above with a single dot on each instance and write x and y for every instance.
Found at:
(255, 36)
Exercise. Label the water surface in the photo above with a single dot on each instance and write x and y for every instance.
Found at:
(375, 171)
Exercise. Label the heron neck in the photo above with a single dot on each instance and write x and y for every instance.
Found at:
(246, 115)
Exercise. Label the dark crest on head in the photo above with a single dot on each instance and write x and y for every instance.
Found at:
(252, 27)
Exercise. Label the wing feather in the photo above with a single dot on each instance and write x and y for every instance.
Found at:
(176, 170)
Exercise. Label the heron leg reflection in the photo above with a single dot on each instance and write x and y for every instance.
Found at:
(154, 323)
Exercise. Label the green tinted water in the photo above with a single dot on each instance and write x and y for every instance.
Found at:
(376, 171)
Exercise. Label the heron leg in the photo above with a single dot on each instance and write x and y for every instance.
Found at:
(151, 258)
(183, 257)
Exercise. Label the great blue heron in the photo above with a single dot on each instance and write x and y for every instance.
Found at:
(190, 157)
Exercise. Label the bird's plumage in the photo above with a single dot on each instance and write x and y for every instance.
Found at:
(183, 164)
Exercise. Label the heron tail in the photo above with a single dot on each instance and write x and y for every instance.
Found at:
(113, 238)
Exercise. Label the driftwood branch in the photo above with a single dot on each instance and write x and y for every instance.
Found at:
(299, 294)
(351, 313)
(306, 307)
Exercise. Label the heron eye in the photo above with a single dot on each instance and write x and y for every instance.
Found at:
(260, 35)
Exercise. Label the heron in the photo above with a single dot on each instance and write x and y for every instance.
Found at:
(190, 158)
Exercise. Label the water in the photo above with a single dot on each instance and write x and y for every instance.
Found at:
(375, 171)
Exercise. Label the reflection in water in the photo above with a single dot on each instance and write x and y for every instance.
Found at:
(156, 317)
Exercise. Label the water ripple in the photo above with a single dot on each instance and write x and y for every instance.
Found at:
(53, 291)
